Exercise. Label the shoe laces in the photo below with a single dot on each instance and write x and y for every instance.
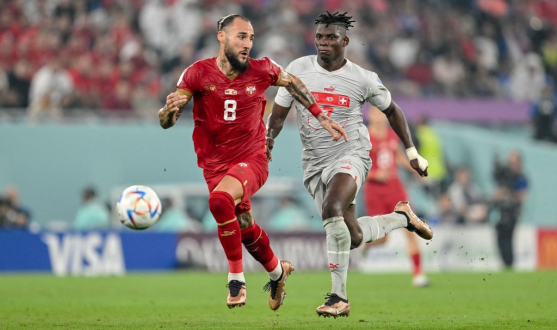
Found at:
(333, 298)
(235, 286)
(272, 286)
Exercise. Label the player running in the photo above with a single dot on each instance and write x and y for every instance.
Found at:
(335, 171)
(229, 140)
(383, 189)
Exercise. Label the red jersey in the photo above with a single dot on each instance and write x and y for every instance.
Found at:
(381, 197)
(383, 154)
(228, 114)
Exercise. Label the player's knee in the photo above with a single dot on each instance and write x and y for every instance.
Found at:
(332, 209)
(221, 202)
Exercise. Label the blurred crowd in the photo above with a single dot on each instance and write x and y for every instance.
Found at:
(58, 57)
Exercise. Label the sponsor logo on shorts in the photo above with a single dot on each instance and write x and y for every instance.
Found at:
(330, 89)
(333, 266)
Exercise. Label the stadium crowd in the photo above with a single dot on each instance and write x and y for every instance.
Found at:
(58, 57)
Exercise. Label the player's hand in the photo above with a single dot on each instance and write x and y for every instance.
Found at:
(269, 149)
(418, 163)
(332, 127)
(175, 101)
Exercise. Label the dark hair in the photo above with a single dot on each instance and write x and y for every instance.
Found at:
(336, 18)
(226, 20)
(89, 193)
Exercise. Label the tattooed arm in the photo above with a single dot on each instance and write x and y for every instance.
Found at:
(175, 103)
(301, 94)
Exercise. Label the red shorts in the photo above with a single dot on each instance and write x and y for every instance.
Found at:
(251, 172)
(381, 198)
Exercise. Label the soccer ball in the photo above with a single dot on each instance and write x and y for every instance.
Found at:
(139, 207)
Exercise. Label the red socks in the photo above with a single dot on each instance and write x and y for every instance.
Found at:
(257, 243)
(222, 206)
(416, 264)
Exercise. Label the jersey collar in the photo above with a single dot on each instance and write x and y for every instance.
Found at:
(341, 70)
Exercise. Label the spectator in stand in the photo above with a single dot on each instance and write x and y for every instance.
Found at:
(528, 78)
(17, 86)
(120, 101)
(457, 48)
(50, 92)
(543, 115)
(467, 199)
(92, 214)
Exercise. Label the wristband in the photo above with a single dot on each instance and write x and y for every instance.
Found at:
(315, 109)
(412, 153)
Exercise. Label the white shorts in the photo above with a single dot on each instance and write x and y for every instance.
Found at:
(355, 166)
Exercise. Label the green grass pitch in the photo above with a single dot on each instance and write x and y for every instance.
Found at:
(194, 300)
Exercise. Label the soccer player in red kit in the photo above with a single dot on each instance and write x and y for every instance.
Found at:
(229, 140)
(383, 188)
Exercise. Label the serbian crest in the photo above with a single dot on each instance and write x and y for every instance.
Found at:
(250, 89)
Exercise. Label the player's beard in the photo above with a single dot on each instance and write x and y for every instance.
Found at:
(235, 62)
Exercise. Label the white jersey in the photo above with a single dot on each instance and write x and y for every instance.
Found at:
(341, 94)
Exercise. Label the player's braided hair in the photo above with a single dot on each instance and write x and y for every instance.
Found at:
(226, 20)
(336, 18)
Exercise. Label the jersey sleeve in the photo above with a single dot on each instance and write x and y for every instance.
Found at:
(274, 70)
(284, 98)
(187, 83)
(377, 94)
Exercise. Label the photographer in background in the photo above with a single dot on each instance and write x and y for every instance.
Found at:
(509, 196)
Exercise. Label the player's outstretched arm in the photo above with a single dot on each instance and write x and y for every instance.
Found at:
(400, 126)
(301, 93)
(169, 114)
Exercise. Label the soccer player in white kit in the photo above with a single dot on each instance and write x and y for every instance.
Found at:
(335, 171)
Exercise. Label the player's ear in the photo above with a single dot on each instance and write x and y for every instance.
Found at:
(221, 36)
(345, 41)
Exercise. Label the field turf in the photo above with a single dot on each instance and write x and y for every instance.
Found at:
(193, 300)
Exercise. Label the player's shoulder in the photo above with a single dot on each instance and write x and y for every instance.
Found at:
(262, 63)
(202, 65)
(365, 74)
(301, 63)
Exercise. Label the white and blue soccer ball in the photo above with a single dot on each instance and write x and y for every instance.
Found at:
(139, 207)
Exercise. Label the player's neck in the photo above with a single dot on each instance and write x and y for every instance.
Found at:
(333, 64)
(225, 67)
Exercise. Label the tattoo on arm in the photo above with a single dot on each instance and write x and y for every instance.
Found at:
(300, 92)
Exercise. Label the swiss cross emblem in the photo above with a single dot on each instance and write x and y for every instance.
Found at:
(343, 101)
(250, 89)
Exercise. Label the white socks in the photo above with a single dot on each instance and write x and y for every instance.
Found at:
(338, 253)
(275, 274)
(237, 277)
(374, 228)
